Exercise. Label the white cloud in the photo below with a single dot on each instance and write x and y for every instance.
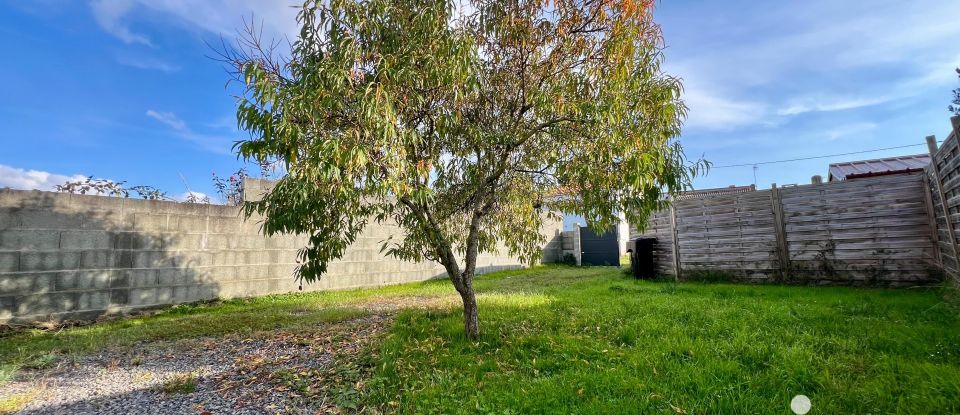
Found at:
(214, 143)
(221, 17)
(17, 178)
(109, 15)
(848, 130)
(710, 110)
(168, 118)
(830, 104)
(147, 64)
(816, 54)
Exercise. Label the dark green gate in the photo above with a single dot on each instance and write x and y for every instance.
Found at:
(599, 249)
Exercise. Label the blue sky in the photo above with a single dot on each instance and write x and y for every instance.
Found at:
(124, 90)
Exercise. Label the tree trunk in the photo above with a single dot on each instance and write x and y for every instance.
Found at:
(471, 321)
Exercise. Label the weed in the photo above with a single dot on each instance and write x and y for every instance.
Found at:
(14, 403)
(182, 383)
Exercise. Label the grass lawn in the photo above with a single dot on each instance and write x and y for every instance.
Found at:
(591, 340)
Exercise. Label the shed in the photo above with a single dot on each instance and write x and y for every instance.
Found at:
(878, 167)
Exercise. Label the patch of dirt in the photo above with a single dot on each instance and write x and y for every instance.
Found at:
(392, 304)
(270, 372)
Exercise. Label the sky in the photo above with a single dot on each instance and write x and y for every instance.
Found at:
(126, 89)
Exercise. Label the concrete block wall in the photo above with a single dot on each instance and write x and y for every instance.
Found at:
(78, 257)
(570, 244)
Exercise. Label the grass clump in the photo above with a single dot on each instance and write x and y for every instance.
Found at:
(182, 383)
(15, 402)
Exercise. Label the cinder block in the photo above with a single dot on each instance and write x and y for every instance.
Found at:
(9, 261)
(142, 296)
(49, 261)
(225, 225)
(32, 199)
(251, 257)
(119, 297)
(7, 306)
(45, 219)
(83, 280)
(93, 300)
(171, 276)
(29, 239)
(123, 259)
(196, 209)
(250, 242)
(86, 240)
(138, 240)
(184, 242)
(9, 219)
(140, 277)
(43, 304)
(218, 241)
(224, 211)
(219, 274)
(24, 283)
(194, 259)
(152, 259)
(194, 292)
(148, 222)
(119, 278)
(164, 295)
(99, 259)
(191, 224)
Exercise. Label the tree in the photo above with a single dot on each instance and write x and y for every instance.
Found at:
(955, 107)
(466, 127)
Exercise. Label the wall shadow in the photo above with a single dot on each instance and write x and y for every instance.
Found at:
(66, 257)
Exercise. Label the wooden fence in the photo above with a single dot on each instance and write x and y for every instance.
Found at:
(870, 231)
(942, 182)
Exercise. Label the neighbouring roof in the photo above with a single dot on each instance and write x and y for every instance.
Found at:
(878, 167)
(694, 194)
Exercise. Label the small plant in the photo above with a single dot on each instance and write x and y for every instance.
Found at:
(42, 361)
(110, 188)
(150, 193)
(568, 259)
(94, 186)
(15, 402)
(181, 383)
(230, 189)
(197, 198)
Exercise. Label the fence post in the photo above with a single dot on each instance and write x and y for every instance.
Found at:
(932, 147)
(932, 218)
(676, 242)
(783, 251)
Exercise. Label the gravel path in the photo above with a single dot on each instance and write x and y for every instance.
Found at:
(275, 372)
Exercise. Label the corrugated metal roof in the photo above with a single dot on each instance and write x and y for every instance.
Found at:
(695, 194)
(878, 167)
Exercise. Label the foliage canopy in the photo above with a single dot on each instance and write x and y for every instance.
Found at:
(468, 126)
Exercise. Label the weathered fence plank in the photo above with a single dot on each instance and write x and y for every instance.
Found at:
(875, 230)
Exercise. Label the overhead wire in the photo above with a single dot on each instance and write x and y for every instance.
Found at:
(816, 157)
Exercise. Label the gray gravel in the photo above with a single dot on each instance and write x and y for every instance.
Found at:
(234, 375)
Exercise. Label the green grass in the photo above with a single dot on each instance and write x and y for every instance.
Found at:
(592, 340)
(182, 384)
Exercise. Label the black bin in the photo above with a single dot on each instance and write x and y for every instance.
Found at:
(643, 263)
